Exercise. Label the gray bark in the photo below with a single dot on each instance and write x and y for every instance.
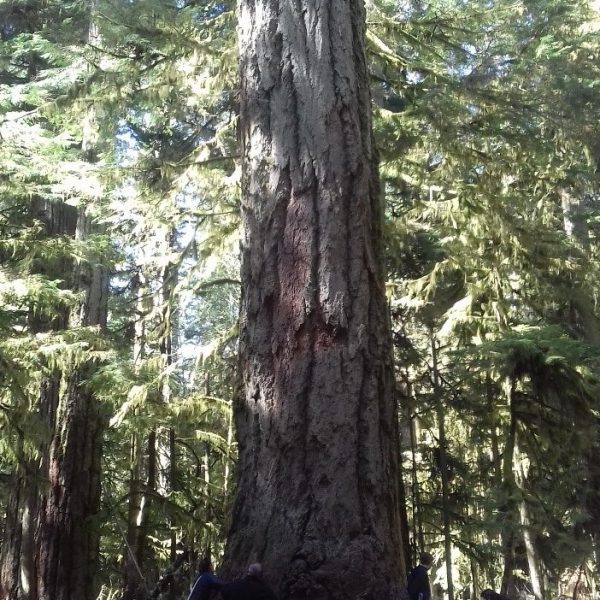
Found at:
(169, 276)
(318, 474)
(474, 585)
(416, 500)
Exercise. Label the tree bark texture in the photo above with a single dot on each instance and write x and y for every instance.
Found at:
(67, 535)
(133, 582)
(318, 474)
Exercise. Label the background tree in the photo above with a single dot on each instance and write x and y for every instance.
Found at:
(485, 119)
(50, 544)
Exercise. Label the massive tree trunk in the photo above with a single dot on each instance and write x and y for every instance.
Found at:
(318, 475)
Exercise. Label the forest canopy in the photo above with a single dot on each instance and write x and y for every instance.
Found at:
(127, 178)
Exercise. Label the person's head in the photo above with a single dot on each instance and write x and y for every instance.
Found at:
(255, 570)
(205, 565)
(487, 594)
(426, 559)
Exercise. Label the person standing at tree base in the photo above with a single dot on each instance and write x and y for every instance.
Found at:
(251, 587)
(492, 595)
(206, 582)
(418, 587)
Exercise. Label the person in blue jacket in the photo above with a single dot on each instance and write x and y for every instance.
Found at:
(418, 579)
(206, 582)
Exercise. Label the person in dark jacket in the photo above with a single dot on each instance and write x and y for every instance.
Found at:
(206, 582)
(492, 595)
(418, 579)
(251, 587)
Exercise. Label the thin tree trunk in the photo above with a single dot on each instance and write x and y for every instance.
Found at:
(142, 550)
(491, 406)
(318, 473)
(173, 488)
(533, 559)
(140, 502)
(474, 578)
(582, 310)
(143, 498)
(227, 458)
(13, 533)
(208, 495)
(508, 587)
(134, 582)
(169, 278)
(18, 567)
(416, 496)
(133, 578)
(404, 530)
(443, 467)
(497, 465)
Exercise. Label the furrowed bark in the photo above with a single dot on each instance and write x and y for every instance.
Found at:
(318, 475)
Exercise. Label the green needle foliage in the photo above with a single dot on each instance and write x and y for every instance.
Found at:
(487, 124)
